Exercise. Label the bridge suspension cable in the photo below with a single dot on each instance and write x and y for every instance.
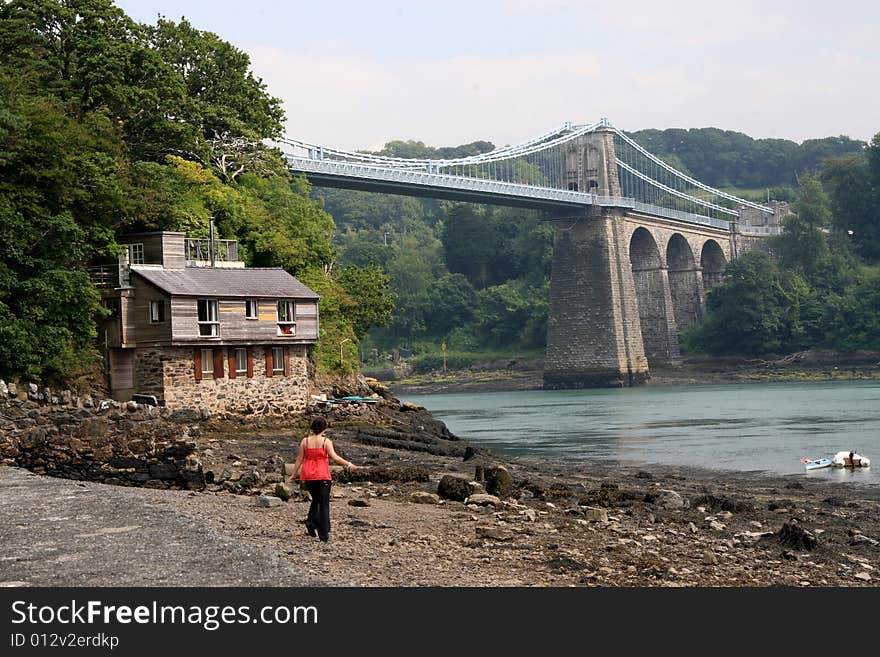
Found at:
(545, 167)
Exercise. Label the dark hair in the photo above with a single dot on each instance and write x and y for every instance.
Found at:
(318, 425)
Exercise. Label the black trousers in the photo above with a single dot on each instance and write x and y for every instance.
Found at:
(319, 511)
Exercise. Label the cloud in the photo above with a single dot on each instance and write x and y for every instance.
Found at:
(355, 102)
(768, 72)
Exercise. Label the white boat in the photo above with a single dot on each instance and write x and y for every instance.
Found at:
(850, 460)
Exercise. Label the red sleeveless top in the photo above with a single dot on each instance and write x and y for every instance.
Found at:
(316, 464)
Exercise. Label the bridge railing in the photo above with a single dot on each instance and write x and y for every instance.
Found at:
(758, 230)
(447, 181)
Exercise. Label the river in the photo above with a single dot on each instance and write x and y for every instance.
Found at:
(740, 427)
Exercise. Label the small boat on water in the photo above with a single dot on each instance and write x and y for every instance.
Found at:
(816, 464)
(850, 460)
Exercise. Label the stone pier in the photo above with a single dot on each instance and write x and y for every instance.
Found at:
(594, 336)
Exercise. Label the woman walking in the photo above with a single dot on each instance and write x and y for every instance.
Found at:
(315, 450)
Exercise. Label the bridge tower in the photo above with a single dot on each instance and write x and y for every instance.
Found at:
(594, 336)
(588, 164)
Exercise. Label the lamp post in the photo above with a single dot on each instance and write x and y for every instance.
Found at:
(340, 350)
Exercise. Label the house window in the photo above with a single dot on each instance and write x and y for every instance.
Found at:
(207, 362)
(286, 315)
(113, 305)
(241, 361)
(277, 360)
(157, 312)
(209, 324)
(251, 310)
(136, 253)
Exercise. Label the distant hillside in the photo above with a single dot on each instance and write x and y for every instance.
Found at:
(724, 158)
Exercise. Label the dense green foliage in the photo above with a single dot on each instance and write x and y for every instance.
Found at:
(108, 126)
(723, 158)
(814, 291)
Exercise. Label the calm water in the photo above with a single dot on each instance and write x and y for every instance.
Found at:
(747, 427)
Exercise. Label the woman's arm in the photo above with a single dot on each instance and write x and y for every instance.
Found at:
(338, 459)
(299, 459)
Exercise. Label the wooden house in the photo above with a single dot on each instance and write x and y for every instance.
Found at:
(191, 326)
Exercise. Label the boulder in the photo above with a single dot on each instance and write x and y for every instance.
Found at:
(665, 499)
(453, 488)
(482, 499)
(498, 481)
(595, 514)
(359, 503)
(282, 491)
(423, 497)
(857, 539)
(251, 479)
(494, 533)
(267, 501)
(794, 536)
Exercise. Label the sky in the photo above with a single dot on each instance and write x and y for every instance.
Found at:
(358, 74)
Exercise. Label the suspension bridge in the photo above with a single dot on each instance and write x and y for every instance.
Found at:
(637, 241)
(544, 172)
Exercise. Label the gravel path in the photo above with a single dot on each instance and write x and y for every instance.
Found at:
(57, 532)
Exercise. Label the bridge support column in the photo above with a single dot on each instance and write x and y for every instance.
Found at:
(659, 332)
(594, 338)
(686, 287)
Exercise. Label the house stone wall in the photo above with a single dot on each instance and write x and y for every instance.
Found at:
(169, 373)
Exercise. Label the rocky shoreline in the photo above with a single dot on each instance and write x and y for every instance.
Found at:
(422, 513)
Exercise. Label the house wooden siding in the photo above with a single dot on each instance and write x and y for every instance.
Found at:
(138, 329)
(173, 250)
(236, 328)
(166, 249)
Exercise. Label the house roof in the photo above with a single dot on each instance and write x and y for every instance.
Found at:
(226, 282)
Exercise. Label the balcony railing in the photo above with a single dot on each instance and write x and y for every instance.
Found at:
(105, 277)
(200, 249)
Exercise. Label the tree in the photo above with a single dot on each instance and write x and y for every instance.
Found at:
(372, 298)
(94, 58)
(51, 224)
(450, 303)
(802, 246)
(754, 310)
(224, 96)
(281, 226)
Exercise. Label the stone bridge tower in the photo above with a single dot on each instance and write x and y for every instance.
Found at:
(594, 337)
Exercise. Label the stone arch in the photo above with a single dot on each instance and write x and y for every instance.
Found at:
(685, 284)
(712, 263)
(652, 294)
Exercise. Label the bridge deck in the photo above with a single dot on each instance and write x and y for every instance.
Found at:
(348, 175)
